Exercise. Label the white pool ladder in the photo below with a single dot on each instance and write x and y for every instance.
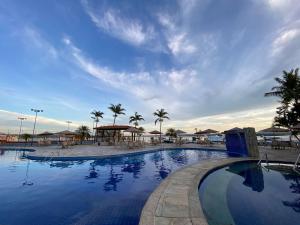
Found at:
(267, 160)
(296, 168)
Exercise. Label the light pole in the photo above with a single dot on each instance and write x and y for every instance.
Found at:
(68, 122)
(21, 119)
(36, 112)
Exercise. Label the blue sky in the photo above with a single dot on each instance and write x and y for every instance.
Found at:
(206, 62)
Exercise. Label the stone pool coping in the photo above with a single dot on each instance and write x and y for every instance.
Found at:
(176, 200)
(60, 155)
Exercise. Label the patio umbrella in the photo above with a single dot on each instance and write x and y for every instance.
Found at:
(178, 132)
(207, 131)
(133, 131)
(154, 132)
(65, 133)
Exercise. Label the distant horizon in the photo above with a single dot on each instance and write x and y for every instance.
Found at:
(207, 63)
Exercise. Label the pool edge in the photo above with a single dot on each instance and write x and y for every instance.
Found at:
(176, 201)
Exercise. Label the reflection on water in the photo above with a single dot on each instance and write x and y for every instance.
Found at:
(294, 180)
(92, 171)
(253, 175)
(109, 191)
(246, 194)
(113, 179)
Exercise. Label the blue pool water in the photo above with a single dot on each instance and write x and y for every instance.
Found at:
(246, 194)
(105, 192)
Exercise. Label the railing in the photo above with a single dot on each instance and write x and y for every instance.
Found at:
(260, 161)
(296, 163)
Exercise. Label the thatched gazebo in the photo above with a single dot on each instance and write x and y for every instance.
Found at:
(110, 133)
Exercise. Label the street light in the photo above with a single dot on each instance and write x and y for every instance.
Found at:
(68, 122)
(36, 112)
(21, 119)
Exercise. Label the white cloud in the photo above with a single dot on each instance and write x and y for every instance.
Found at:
(257, 118)
(153, 90)
(36, 39)
(8, 120)
(280, 4)
(113, 23)
(178, 44)
(177, 39)
(283, 39)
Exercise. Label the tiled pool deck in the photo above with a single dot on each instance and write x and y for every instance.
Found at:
(176, 201)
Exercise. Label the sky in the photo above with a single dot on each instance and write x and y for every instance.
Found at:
(207, 63)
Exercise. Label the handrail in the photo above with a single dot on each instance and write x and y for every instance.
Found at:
(267, 160)
(296, 162)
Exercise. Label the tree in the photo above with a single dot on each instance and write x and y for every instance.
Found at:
(171, 133)
(161, 114)
(96, 116)
(141, 129)
(83, 132)
(26, 137)
(288, 91)
(135, 120)
(117, 110)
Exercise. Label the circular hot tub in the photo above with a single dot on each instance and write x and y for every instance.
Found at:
(244, 193)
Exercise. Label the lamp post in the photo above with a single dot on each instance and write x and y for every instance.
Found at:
(21, 123)
(68, 122)
(36, 112)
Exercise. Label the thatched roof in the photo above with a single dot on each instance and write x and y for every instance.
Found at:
(133, 130)
(179, 132)
(207, 131)
(154, 132)
(273, 130)
(46, 133)
(65, 133)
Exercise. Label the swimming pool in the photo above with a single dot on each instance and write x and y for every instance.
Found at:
(105, 191)
(246, 194)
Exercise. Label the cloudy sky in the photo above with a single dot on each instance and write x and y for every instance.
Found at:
(208, 63)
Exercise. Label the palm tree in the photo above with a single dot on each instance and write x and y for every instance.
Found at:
(171, 133)
(161, 114)
(83, 132)
(117, 110)
(135, 119)
(289, 87)
(26, 137)
(96, 115)
(288, 90)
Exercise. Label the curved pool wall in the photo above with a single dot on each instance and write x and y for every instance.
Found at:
(104, 191)
(132, 153)
(243, 193)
